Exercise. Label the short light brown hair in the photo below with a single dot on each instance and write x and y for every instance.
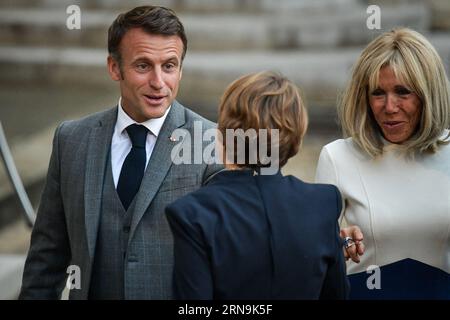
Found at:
(416, 63)
(265, 100)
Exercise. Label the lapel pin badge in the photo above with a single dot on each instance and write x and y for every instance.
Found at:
(173, 139)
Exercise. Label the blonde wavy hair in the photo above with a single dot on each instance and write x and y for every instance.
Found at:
(414, 62)
(265, 100)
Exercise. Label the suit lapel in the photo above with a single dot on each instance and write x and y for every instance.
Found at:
(158, 165)
(99, 145)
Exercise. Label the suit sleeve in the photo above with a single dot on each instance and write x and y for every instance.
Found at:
(336, 284)
(192, 277)
(49, 254)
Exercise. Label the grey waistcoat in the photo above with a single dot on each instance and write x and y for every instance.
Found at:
(107, 280)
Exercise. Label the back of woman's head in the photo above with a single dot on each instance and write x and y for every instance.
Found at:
(263, 101)
(416, 64)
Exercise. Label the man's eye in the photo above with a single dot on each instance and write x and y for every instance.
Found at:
(142, 66)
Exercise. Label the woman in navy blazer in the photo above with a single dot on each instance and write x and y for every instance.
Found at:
(252, 235)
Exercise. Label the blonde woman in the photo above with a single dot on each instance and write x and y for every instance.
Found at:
(247, 235)
(393, 169)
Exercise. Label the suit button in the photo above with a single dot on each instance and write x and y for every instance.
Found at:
(126, 229)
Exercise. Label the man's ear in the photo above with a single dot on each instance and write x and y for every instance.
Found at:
(114, 69)
(181, 72)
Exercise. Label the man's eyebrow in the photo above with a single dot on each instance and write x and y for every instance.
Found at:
(141, 59)
(172, 59)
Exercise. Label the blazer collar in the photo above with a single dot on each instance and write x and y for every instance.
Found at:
(99, 144)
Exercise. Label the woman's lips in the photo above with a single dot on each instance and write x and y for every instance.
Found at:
(154, 100)
(392, 125)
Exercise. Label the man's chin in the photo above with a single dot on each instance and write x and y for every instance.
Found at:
(155, 112)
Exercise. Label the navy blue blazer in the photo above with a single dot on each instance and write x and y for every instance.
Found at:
(246, 236)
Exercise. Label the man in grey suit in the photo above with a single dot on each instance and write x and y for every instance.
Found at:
(111, 176)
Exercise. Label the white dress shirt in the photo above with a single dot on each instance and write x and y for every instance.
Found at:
(121, 143)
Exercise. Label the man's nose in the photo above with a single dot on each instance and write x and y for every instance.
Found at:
(156, 81)
(391, 103)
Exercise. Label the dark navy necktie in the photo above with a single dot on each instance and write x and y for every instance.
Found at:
(134, 165)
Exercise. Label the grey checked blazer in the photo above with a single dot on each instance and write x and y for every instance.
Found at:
(67, 222)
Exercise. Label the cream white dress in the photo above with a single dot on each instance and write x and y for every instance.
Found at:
(402, 206)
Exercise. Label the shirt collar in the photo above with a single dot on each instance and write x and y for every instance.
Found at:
(124, 120)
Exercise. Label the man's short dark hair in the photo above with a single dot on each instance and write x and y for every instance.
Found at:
(152, 19)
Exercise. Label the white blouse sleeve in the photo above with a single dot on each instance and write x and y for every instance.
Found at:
(326, 173)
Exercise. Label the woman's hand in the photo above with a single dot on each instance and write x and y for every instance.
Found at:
(354, 247)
